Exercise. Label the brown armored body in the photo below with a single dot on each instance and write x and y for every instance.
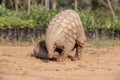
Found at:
(64, 33)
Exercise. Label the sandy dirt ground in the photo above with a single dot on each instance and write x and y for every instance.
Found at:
(95, 64)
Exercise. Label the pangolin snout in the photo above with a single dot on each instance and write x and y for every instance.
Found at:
(54, 55)
(50, 56)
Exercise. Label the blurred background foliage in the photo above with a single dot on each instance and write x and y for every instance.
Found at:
(94, 14)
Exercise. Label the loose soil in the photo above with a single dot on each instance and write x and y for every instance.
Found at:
(16, 63)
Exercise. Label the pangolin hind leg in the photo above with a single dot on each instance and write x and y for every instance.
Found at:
(78, 53)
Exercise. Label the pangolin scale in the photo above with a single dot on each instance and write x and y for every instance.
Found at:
(64, 33)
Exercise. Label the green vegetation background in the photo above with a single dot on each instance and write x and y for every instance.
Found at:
(40, 17)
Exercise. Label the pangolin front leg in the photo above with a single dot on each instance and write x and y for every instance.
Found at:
(63, 56)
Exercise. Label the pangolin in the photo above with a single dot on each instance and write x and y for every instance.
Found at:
(41, 52)
(64, 33)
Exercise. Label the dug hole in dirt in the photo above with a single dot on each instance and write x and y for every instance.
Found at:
(95, 64)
